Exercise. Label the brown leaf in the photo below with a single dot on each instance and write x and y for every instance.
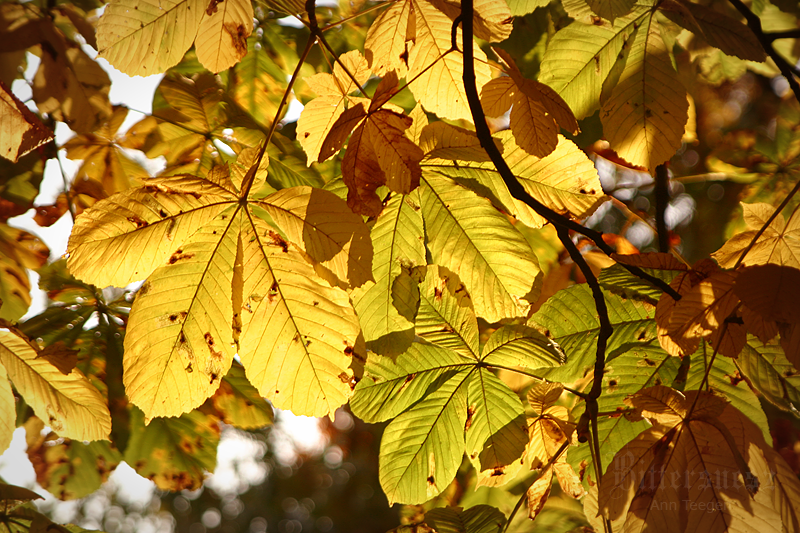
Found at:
(61, 357)
(20, 130)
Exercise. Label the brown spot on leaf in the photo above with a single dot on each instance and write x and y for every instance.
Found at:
(470, 413)
(343, 377)
(178, 256)
(431, 480)
(499, 471)
(277, 240)
(189, 368)
(437, 293)
(138, 221)
(212, 7)
(735, 379)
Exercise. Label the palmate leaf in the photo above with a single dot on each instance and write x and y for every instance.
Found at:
(778, 244)
(221, 280)
(385, 45)
(443, 395)
(705, 453)
(238, 402)
(67, 403)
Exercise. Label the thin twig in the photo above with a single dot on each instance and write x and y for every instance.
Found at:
(788, 34)
(767, 224)
(755, 24)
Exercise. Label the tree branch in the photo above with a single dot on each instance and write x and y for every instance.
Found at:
(766, 41)
(662, 201)
(515, 187)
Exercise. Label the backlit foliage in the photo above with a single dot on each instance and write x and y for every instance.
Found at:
(411, 247)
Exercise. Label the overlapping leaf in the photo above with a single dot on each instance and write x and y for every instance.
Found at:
(644, 107)
(778, 244)
(20, 130)
(565, 181)
(387, 307)
(536, 110)
(440, 387)
(221, 280)
(143, 38)
(701, 451)
(68, 403)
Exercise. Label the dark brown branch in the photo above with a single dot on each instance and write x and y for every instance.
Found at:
(515, 187)
(662, 201)
(766, 41)
(788, 34)
(588, 421)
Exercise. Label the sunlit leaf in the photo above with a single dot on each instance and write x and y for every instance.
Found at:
(18, 250)
(21, 131)
(645, 110)
(69, 404)
(387, 306)
(239, 402)
(778, 244)
(222, 35)
(469, 237)
(478, 519)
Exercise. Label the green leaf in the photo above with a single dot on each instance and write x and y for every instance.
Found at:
(445, 315)
(766, 368)
(387, 307)
(390, 387)
(70, 469)
(496, 429)
(257, 84)
(611, 9)
(478, 519)
(570, 319)
(422, 448)
(239, 402)
(517, 345)
(472, 239)
(641, 367)
(724, 378)
(175, 453)
(581, 56)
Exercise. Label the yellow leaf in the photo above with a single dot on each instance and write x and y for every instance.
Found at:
(440, 140)
(19, 250)
(538, 492)
(20, 130)
(385, 46)
(492, 18)
(438, 84)
(137, 230)
(298, 333)
(8, 412)
(222, 36)
(179, 340)
(69, 404)
(143, 37)
(779, 244)
(325, 229)
(646, 108)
